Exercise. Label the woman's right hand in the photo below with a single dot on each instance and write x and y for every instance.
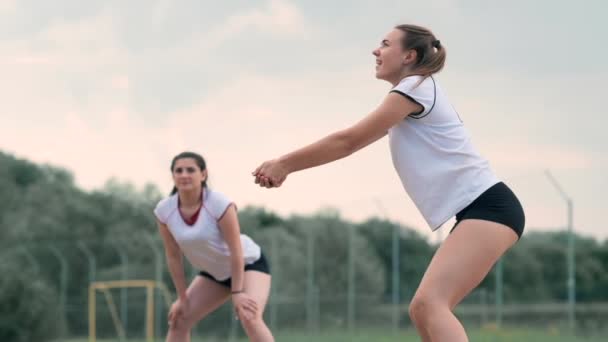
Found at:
(245, 306)
(178, 311)
(271, 174)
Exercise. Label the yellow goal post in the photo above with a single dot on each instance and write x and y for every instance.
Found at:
(105, 286)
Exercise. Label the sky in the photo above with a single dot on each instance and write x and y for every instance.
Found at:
(115, 89)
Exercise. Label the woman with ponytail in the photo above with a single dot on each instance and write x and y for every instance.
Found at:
(440, 170)
(203, 225)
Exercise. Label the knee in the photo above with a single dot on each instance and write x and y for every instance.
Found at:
(252, 324)
(422, 307)
(180, 327)
(178, 331)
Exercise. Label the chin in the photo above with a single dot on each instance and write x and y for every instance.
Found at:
(185, 188)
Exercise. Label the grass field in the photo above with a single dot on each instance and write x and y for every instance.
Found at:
(370, 336)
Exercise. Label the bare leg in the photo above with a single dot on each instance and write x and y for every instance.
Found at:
(459, 265)
(257, 285)
(205, 296)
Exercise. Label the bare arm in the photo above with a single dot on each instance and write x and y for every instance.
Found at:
(174, 260)
(340, 144)
(244, 305)
(229, 225)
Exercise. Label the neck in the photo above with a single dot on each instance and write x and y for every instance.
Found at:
(190, 198)
(403, 74)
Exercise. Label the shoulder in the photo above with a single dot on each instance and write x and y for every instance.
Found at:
(418, 89)
(167, 202)
(165, 207)
(214, 197)
(217, 203)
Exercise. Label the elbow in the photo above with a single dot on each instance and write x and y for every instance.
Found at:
(237, 258)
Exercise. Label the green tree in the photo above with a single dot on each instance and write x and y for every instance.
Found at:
(28, 306)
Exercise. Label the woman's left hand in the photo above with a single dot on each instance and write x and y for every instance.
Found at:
(271, 174)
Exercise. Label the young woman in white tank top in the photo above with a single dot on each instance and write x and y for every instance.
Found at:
(439, 169)
(202, 225)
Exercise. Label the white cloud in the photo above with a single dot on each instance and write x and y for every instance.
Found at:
(120, 82)
(539, 157)
(121, 145)
(29, 60)
(66, 91)
(7, 6)
(159, 8)
(82, 45)
(267, 108)
(93, 44)
(89, 42)
(278, 18)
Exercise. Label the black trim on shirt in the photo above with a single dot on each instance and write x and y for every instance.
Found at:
(409, 98)
(414, 115)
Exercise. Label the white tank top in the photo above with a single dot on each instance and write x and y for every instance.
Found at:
(432, 153)
(202, 243)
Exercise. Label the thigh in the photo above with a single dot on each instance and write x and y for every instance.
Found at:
(205, 296)
(257, 285)
(464, 259)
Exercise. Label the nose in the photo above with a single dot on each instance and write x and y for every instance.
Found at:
(376, 52)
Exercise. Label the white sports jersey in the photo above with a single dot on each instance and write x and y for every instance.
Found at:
(202, 243)
(432, 152)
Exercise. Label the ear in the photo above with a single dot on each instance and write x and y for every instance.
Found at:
(410, 57)
(204, 175)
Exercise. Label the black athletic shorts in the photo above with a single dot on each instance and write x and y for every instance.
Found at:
(497, 204)
(260, 265)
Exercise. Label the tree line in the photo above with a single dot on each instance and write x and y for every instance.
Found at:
(43, 213)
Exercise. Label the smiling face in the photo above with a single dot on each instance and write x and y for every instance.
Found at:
(392, 61)
(187, 175)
